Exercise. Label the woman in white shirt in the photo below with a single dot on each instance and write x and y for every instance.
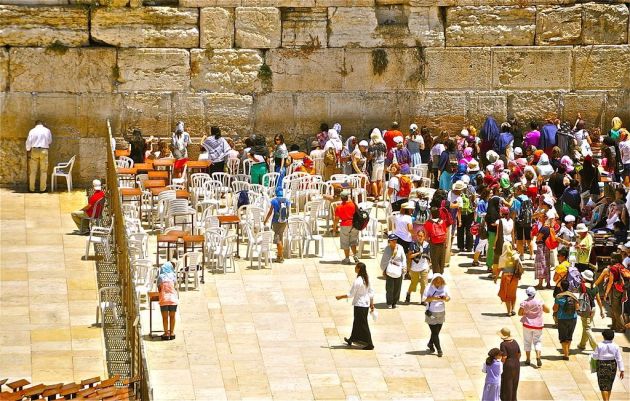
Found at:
(394, 266)
(403, 228)
(609, 360)
(436, 296)
(507, 224)
(363, 301)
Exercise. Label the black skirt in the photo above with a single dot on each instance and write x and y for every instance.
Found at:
(606, 371)
(360, 327)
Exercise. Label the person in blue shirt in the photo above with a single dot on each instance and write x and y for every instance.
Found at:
(280, 207)
(548, 137)
(566, 305)
(504, 140)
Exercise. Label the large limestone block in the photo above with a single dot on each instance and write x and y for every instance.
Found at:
(532, 68)
(16, 115)
(150, 112)
(13, 167)
(190, 109)
(69, 70)
(304, 27)
(534, 105)
(4, 69)
(353, 27)
(452, 3)
(43, 26)
(146, 27)
(404, 69)
(226, 70)
(61, 113)
(217, 28)
(559, 25)
(97, 108)
(209, 3)
(92, 159)
(273, 113)
(601, 67)
(482, 104)
(345, 3)
(278, 3)
(458, 68)
(258, 27)
(153, 70)
(438, 110)
(232, 113)
(490, 26)
(311, 110)
(426, 26)
(589, 103)
(617, 105)
(34, 2)
(605, 24)
(314, 70)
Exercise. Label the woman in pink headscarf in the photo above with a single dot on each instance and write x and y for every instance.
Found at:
(468, 155)
(568, 165)
(499, 166)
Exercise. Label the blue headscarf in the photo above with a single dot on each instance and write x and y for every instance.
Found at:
(167, 273)
(490, 129)
(462, 168)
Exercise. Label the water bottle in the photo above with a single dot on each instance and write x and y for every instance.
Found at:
(374, 314)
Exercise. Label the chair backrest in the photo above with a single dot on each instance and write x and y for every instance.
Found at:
(224, 178)
(233, 165)
(242, 177)
(192, 258)
(70, 164)
(122, 163)
(197, 180)
(238, 186)
(318, 163)
(258, 188)
(210, 222)
(227, 245)
(140, 179)
(129, 160)
(339, 177)
(265, 240)
(270, 179)
(168, 194)
(247, 166)
(97, 209)
(178, 206)
(425, 182)
(109, 294)
(295, 227)
(140, 269)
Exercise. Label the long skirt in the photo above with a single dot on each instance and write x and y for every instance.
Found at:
(415, 159)
(492, 236)
(507, 290)
(606, 371)
(542, 262)
(360, 328)
(491, 392)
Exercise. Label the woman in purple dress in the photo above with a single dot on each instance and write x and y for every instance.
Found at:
(493, 368)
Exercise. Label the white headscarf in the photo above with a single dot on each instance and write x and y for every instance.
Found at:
(376, 136)
(333, 141)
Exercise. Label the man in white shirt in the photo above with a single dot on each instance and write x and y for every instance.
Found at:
(37, 144)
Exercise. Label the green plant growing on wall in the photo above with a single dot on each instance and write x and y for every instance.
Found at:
(265, 75)
(379, 61)
(116, 74)
(57, 48)
(421, 72)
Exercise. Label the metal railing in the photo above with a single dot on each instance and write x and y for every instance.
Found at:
(125, 354)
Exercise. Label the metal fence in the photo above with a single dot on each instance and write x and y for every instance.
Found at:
(125, 355)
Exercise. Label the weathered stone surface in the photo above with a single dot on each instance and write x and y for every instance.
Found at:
(232, 113)
(43, 26)
(4, 69)
(16, 115)
(273, 113)
(190, 109)
(528, 106)
(617, 105)
(153, 70)
(345, 3)
(150, 112)
(559, 25)
(312, 110)
(97, 108)
(297, 70)
(405, 70)
(61, 113)
(209, 3)
(217, 28)
(34, 2)
(458, 68)
(601, 67)
(352, 27)
(226, 70)
(479, 105)
(13, 167)
(258, 27)
(304, 27)
(425, 26)
(92, 159)
(70, 70)
(451, 3)
(278, 3)
(590, 103)
(438, 110)
(532, 68)
(490, 26)
(605, 24)
(146, 27)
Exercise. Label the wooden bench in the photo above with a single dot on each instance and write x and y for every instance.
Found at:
(90, 382)
(18, 385)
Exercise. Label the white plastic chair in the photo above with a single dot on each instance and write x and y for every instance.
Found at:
(238, 186)
(107, 300)
(183, 179)
(225, 179)
(188, 267)
(294, 235)
(242, 177)
(127, 160)
(270, 179)
(262, 247)
(62, 170)
(178, 208)
(247, 166)
(225, 253)
(339, 178)
(369, 236)
(98, 235)
(316, 238)
(233, 165)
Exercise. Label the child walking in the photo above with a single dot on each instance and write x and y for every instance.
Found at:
(493, 368)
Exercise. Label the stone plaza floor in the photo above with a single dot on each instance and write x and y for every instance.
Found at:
(48, 295)
(278, 334)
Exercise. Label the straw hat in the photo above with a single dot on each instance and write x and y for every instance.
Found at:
(587, 275)
(581, 228)
(505, 334)
(459, 186)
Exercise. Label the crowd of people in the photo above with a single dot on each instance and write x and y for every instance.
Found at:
(553, 196)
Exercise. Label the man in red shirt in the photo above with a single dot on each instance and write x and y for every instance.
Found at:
(348, 235)
(389, 136)
(436, 234)
(91, 210)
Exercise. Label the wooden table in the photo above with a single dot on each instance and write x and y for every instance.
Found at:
(143, 167)
(231, 220)
(132, 195)
(125, 170)
(173, 237)
(198, 166)
(18, 385)
(164, 164)
(153, 297)
(122, 152)
(158, 175)
(148, 184)
(179, 194)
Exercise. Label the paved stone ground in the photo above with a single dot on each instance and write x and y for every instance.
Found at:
(48, 295)
(278, 334)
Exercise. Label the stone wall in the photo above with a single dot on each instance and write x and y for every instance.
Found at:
(271, 66)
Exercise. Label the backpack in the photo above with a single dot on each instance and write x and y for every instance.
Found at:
(570, 306)
(360, 219)
(404, 185)
(438, 232)
(467, 207)
(524, 217)
(243, 199)
(518, 269)
(283, 211)
(585, 303)
(574, 278)
(330, 157)
(421, 211)
(446, 215)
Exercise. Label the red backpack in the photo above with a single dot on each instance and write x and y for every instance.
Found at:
(446, 215)
(404, 183)
(437, 233)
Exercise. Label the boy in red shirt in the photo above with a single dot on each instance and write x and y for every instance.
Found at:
(348, 235)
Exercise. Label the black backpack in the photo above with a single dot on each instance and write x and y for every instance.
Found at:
(570, 306)
(524, 217)
(360, 219)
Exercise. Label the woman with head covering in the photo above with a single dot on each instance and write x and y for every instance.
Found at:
(138, 145)
(499, 166)
(376, 160)
(359, 158)
(168, 299)
(536, 156)
(218, 150)
(509, 279)
(589, 179)
(543, 167)
(531, 311)
(616, 127)
(462, 169)
(346, 155)
(568, 164)
(436, 296)
(362, 296)
(511, 365)
(468, 155)
(543, 253)
(425, 156)
(492, 221)
(415, 143)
